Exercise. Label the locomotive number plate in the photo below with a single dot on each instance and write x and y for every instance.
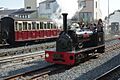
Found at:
(57, 56)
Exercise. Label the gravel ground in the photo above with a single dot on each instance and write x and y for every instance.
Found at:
(16, 69)
(90, 69)
(94, 73)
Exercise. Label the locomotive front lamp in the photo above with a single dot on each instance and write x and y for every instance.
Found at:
(47, 55)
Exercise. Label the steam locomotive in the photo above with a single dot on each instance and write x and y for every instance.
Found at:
(75, 44)
(15, 30)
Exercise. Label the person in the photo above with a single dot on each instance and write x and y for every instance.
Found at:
(100, 25)
(80, 24)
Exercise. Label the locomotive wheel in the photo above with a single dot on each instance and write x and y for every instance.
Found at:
(101, 49)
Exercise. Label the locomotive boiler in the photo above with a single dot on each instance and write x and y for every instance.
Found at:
(75, 43)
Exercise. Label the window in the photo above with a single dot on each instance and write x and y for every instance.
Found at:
(82, 4)
(86, 16)
(29, 26)
(45, 26)
(51, 26)
(96, 4)
(33, 25)
(24, 25)
(28, 7)
(41, 25)
(37, 26)
(20, 26)
(54, 26)
(21, 16)
(48, 25)
(26, 16)
(47, 5)
(16, 26)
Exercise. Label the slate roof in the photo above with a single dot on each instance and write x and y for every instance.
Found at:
(47, 1)
(6, 12)
(22, 11)
(15, 11)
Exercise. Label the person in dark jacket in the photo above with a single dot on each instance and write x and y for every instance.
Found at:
(100, 25)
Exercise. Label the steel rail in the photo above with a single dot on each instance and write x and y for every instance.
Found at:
(26, 49)
(10, 61)
(37, 74)
(105, 76)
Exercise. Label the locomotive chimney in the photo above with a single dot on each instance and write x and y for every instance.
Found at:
(65, 21)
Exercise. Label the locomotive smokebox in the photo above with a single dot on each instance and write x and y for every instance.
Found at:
(65, 21)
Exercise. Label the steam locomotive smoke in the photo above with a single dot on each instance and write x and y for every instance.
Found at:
(68, 6)
(65, 6)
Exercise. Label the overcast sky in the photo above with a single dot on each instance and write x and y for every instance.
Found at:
(16, 4)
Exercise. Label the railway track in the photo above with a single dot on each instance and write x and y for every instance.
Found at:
(19, 59)
(41, 73)
(25, 49)
(38, 74)
(113, 74)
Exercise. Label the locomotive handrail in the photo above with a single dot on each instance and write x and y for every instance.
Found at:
(91, 48)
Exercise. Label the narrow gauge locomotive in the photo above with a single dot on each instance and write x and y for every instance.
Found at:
(73, 46)
(14, 30)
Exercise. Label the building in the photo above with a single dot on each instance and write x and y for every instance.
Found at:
(29, 10)
(6, 12)
(47, 8)
(22, 13)
(30, 5)
(91, 11)
(114, 17)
